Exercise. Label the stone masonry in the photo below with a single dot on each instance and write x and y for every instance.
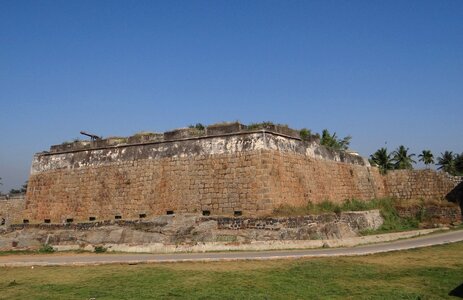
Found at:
(188, 229)
(419, 184)
(223, 170)
(11, 208)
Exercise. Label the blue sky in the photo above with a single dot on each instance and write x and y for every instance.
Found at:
(381, 71)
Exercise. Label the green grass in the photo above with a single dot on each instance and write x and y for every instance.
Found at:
(263, 125)
(46, 249)
(18, 252)
(327, 206)
(100, 249)
(429, 273)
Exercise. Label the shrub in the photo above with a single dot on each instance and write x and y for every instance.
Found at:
(356, 205)
(100, 249)
(328, 206)
(198, 126)
(305, 134)
(46, 249)
(198, 129)
(332, 141)
(262, 125)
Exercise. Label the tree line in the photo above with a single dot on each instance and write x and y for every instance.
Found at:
(21, 190)
(401, 159)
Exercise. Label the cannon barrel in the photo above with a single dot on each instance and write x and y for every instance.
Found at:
(94, 137)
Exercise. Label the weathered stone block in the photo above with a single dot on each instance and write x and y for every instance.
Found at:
(225, 128)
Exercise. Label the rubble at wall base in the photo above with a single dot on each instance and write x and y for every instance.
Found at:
(190, 229)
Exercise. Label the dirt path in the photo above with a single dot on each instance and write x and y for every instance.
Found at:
(94, 259)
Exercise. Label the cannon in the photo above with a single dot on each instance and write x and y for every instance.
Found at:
(93, 137)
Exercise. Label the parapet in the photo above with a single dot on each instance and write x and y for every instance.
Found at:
(221, 129)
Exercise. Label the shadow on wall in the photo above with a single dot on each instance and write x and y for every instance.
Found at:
(456, 195)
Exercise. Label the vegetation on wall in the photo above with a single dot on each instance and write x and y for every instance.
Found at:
(387, 206)
(198, 126)
(198, 129)
(305, 134)
(401, 158)
(332, 141)
(263, 125)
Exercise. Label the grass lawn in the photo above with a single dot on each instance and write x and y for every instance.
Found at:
(428, 273)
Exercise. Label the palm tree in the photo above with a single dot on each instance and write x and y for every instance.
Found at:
(446, 162)
(382, 160)
(426, 157)
(401, 158)
(459, 164)
(332, 141)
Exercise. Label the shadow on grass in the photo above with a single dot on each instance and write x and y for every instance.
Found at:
(457, 292)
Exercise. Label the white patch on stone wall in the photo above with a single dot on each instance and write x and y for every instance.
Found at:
(310, 151)
(180, 149)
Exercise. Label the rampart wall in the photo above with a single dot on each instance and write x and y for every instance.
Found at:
(11, 209)
(419, 184)
(222, 170)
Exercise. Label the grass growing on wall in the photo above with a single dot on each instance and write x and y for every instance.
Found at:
(387, 207)
(264, 125)
(327, 206)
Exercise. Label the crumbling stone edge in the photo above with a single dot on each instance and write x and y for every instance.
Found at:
(257, 245)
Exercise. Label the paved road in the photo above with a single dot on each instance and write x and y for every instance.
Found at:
(93, 259)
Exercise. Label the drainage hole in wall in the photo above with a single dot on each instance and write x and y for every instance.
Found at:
(92, 218)
(69, 220)
(47, 221)
(238, 213)
(117, 217)
(170, 212)
(25, 221)
(206, 212)
(142, 216)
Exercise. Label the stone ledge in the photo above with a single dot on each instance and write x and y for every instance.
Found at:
(224, 129)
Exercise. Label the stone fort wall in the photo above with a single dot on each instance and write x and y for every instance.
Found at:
(11, 209)
(419, 184)
(223, 170)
